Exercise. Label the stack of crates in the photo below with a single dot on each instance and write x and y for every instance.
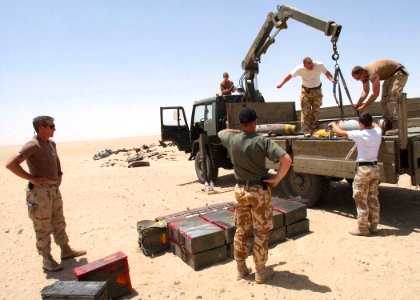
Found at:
(196, 241)
(225, 219)
(204, 236)
(295, 213)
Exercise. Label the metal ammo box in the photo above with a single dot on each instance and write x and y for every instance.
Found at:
(293, 211)
(61, 290)
(113, 269)
(195, 234)
(199, 260)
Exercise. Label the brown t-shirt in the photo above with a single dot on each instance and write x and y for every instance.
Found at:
(41, 158)
(384, 69)
(226, 85)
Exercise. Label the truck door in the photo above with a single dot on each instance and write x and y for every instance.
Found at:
(174, 127)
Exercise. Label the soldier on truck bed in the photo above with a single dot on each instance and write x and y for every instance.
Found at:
(226, 86)
(311, 92)
(394, 76)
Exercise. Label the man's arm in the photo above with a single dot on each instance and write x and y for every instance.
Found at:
(376, 87)
(233, 87)
(60, 172)
(285, 163)
(285, 79)
(337, 129)
(330, 77)
(14, 166)
(221, 132)
(363, 96)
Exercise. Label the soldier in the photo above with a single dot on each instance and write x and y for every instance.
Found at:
(366, 181)
(311, 92)
(253, 207)
(226, 86)
(394, 76)
(45, 205)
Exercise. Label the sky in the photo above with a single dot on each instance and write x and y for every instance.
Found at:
(103, 69)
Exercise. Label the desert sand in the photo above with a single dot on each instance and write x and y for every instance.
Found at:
(104, 199)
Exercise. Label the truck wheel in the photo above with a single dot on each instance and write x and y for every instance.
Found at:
(305, 188)
(212, 173)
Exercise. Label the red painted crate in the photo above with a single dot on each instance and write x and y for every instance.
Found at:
(113, 269)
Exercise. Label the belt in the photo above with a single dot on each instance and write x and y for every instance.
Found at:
(366, 163)
(311, 89)
(252, 182)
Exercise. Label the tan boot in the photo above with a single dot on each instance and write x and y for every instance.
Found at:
(360, 231)
(373, 228)
(67, 252)
(243, 270)
(263, 274)
(49, 264)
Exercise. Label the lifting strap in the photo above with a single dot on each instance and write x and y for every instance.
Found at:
(338, 76)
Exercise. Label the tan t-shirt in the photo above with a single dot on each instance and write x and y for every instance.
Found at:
(41, 158)
(384, 69)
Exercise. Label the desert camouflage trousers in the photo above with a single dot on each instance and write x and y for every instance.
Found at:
(45, 209)
(392, 90)
(365, 194)
(310, 102)
(253, 210)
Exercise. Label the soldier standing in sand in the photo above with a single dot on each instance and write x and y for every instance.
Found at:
(43, 197)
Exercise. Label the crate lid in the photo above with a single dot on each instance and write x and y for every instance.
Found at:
(81, 289)
(97, 264)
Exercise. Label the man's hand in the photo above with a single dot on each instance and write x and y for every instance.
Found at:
(361, 108)
(272, 182)
(279, 86)
(39, 181)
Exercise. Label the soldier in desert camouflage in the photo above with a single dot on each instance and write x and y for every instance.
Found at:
(366, 181)
(253, 208)
(311, 92)
(43, 197)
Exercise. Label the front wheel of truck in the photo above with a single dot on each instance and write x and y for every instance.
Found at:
(212, 173)
(307, 189)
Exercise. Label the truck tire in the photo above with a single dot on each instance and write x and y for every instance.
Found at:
(212, 173)
(307, 189)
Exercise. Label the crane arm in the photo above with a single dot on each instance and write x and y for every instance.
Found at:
(278, 20)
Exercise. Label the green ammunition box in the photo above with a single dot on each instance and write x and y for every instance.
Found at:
(199, 260)
(297, 228)
(293, 211)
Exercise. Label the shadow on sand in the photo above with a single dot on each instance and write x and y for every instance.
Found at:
(399, 207)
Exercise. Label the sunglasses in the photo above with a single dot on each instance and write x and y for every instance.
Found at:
(50, 126)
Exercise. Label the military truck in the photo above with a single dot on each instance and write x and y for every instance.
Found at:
(316, 160)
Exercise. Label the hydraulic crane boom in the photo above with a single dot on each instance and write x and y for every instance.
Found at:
(263, 41)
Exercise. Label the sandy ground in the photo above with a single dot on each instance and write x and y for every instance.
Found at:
(103, 200)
